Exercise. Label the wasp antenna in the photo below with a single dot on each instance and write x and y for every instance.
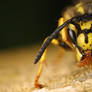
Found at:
(53, 35)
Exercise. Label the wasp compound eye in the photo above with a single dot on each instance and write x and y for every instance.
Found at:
(72, 35)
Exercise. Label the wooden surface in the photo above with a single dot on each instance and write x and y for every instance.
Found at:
(17, 72)
(16, 69)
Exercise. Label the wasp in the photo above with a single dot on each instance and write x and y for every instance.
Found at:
(74, 32)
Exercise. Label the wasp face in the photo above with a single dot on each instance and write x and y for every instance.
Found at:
(84, 41)
(84, 36)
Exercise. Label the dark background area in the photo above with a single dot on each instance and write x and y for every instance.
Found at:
(28, 22)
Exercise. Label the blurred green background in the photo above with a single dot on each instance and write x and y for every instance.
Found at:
(25, 22)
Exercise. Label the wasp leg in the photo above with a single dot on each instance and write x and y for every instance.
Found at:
(64, 35)
(42, 60)
(37, 85)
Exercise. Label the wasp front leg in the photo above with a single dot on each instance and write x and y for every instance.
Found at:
(42, 60)
(63, 46)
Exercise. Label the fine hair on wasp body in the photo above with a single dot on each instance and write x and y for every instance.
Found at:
(74, 32)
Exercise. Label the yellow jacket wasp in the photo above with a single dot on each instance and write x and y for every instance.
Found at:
(74, 32)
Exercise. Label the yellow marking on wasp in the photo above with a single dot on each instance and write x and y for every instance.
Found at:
(81, 41)
(78, 55)
(85, 25)
(63, 32)
(54, 41)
